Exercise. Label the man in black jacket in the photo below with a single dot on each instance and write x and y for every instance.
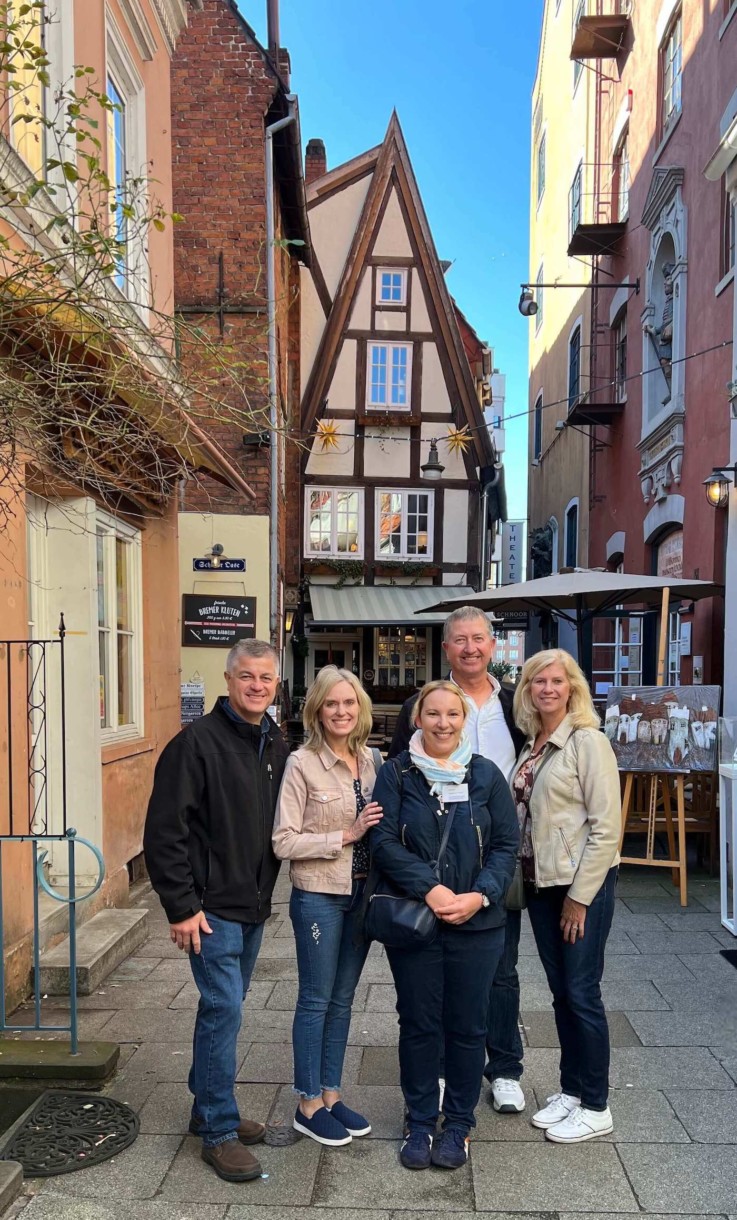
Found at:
(208, 852)
(468, 642)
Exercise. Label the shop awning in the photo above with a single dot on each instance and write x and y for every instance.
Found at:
(380, 605)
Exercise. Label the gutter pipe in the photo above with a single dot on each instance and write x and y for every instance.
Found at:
(271, 131)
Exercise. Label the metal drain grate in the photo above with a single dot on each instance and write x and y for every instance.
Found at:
(68, 1131)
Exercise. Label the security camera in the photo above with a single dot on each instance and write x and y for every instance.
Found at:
(527, 304)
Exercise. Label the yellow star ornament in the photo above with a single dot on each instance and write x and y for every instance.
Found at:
(458, 439)
(327, 434)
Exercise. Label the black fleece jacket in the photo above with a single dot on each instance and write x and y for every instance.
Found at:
(404, 730)
(207, 840)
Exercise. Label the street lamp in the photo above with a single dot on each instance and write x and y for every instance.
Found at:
(718, 484)
(528, 306)
(216, 555)
(433, 468)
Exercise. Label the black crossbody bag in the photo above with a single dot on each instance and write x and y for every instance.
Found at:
(392, 918)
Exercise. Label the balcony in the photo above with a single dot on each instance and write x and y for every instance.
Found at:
(595, 407)
(596, 201)
(600, 29)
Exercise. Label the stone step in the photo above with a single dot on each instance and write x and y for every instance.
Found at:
(11, 1182)
(102, 944)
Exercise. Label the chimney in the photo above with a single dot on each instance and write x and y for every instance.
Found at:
(316, 161)
(272, 28)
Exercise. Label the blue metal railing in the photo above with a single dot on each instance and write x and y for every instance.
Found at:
(29, 824)
(72, 898)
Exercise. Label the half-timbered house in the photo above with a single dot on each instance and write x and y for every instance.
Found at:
(396, 460)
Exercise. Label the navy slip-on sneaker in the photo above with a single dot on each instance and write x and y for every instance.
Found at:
(355, 1124)
(416, 1150)
(322, 1127)
(450, 1149)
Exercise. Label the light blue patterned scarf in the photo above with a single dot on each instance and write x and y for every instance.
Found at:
(451, 770)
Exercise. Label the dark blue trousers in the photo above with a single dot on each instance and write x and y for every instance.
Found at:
(503, 1042)
(574, 977)
(443, 1002)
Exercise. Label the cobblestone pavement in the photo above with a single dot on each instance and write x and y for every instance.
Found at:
(672, 1003)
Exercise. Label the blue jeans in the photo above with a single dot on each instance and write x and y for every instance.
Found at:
(443, 1001)
(330, 957)
(222, 971)
(503, 1042)
(574, 977)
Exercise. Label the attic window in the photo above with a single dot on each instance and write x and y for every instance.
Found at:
(391, 286)
(389, 376)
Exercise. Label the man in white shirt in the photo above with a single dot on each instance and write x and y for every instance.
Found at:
(468, 643)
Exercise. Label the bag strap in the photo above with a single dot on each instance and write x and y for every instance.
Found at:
(378, 760)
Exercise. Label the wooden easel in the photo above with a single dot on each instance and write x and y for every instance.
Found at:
(659, 803)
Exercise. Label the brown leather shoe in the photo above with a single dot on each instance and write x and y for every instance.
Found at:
(249, 1132)
(232, 1161)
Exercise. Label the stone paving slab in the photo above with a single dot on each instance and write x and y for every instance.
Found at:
(688, 1028)
(708, 995)
(662, 905)
(151, 1025)
(694, 1178)
(541, 1031)
(693, 921)
(167, 1061)
(276, 970)
(709, 1118)
(652, 966)
(535, 1177)
(244, 1212)
(159, 946)
(675, 942)
(291, 1175)
(132, 970)
(374, 1029)
(89, 1023)
(369, 1170)
(167, 1108)
(711, 967)
(379, 1065)
(267, 1063)
(52, 1207)
(618, 943)
(136, 1173)
(284, 995)
(652, 1067)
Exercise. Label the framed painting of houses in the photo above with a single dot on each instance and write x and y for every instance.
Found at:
(663, 728)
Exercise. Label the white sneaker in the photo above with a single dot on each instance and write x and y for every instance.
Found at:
(581, 1125)
(507, 1096)
(559, 1107)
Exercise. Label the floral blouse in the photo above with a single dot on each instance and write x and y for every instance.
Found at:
(361, 854)
(521, 791)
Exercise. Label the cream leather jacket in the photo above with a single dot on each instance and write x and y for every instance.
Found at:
(576, 811)
(316, 804)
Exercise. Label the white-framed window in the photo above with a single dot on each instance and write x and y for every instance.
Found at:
(729, 233)
(391, 286)
(577, 63)
(619, 335)
(514, 654)
(28, 98)
(671, 68)
(126, 162)
(574, 368)
(541, 167)
(571, 540)
(404, 524)
(537, 441)
(119, 628)
(389, 376)
(334, 522)
(575, 197)
(539, 298)
(621, 175)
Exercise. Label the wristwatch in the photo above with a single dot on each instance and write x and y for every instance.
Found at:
(485, 901)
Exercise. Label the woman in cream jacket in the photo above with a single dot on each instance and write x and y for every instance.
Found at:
(323, 813)
(566, 788)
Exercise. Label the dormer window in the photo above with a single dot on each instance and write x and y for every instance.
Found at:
(391, 286)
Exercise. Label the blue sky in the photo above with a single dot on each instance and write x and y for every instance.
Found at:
(459, 73)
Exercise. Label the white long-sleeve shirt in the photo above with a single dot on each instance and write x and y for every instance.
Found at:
(487, 729)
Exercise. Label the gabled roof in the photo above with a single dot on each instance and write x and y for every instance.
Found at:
(393, 171)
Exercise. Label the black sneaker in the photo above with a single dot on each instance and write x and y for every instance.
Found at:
(450, 1149)
(416, 1149)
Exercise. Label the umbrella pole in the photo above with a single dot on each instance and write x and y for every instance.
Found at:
(662, 646)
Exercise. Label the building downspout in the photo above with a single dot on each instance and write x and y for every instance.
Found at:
(271, 131)
(484, 558)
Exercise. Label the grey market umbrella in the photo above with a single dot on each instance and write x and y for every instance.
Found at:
(579, 596)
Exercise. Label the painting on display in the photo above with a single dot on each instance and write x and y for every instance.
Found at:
(663, 728)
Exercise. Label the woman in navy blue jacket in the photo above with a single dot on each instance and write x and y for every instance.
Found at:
(443, 987)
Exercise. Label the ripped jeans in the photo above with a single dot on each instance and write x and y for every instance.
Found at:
(330, 958)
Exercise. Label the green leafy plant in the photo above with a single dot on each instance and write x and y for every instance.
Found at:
(501, 670)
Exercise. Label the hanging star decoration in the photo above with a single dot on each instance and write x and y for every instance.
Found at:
(458, 439)
(327, 434)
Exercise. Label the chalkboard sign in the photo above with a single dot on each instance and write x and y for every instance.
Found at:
(217, 622)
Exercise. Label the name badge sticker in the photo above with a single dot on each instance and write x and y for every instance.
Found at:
(453, 794)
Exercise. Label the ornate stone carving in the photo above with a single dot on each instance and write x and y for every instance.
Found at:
(661, 459)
